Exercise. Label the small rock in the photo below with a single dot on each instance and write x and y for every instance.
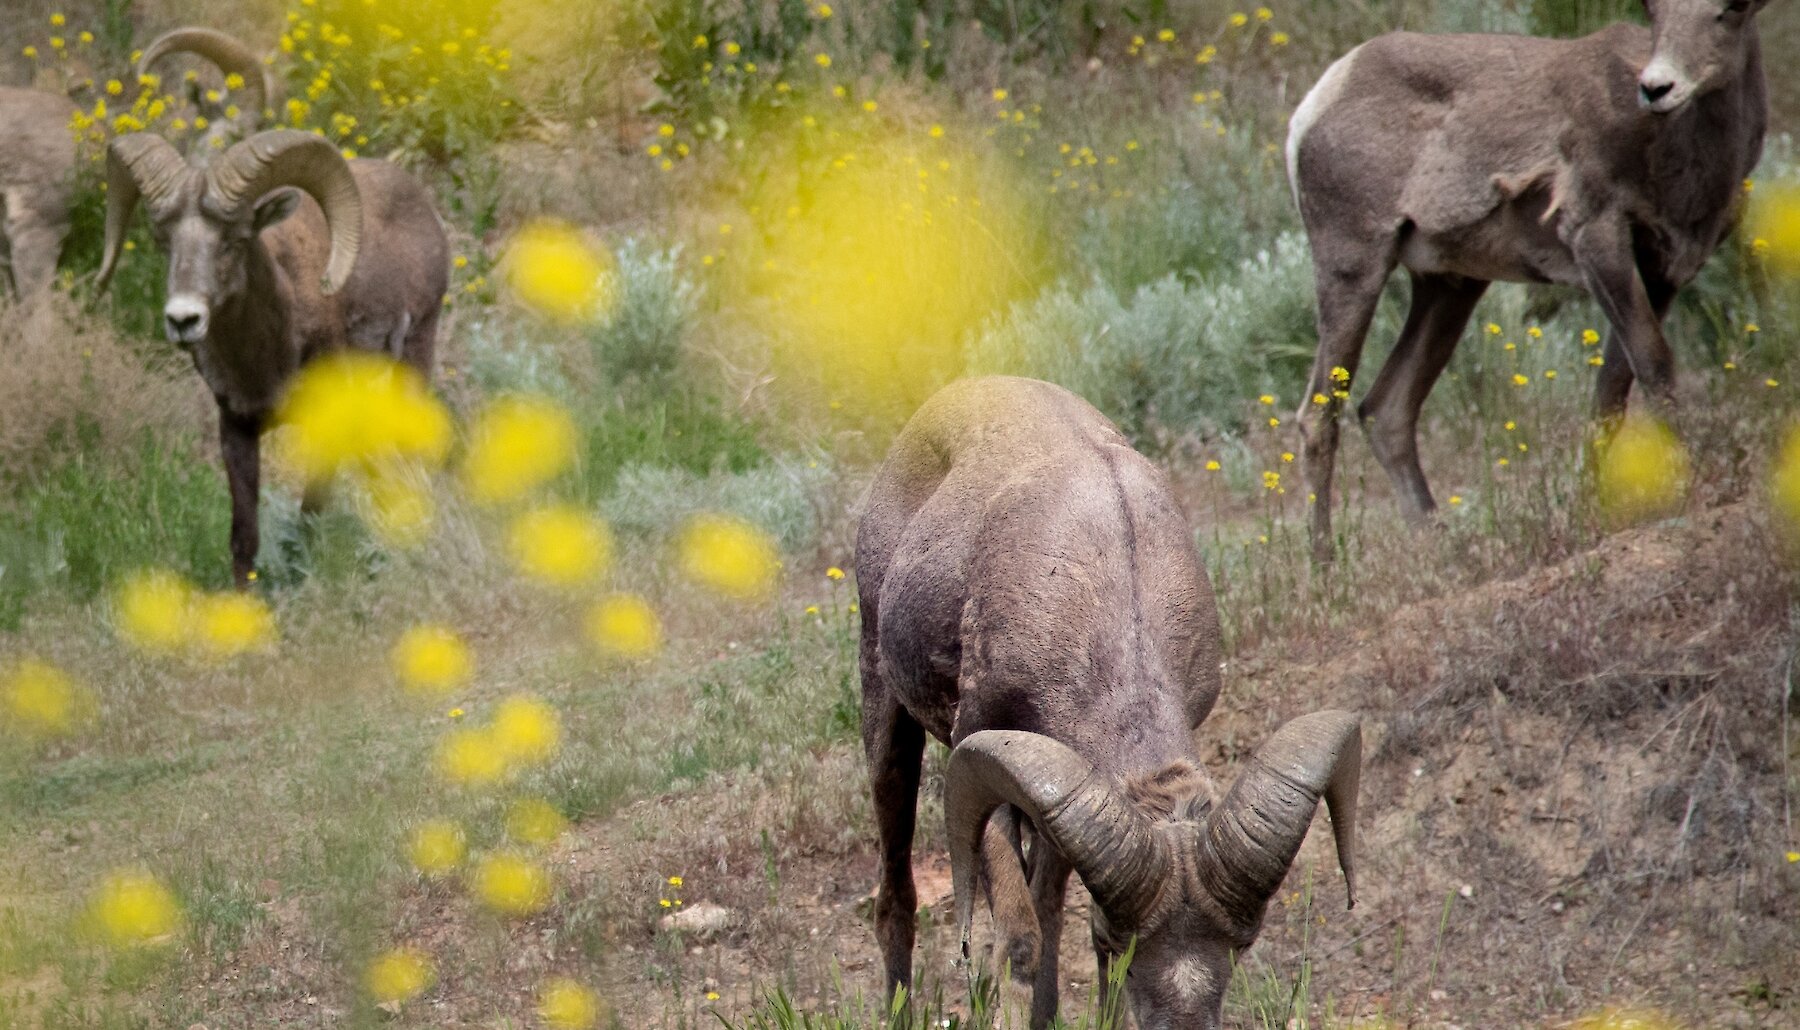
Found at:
(703, 920)
(1466, 891)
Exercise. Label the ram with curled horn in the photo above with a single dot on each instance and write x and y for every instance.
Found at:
(1031, 595)
(279, 251)
(250, 92)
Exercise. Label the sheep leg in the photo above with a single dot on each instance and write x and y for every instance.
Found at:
(1049, 887)
(1603, 249)
(36, 244)
(1347, 294)
(240, 441)
(895, 744)
(1441, 306)
(1009, 895)
(1612, 387)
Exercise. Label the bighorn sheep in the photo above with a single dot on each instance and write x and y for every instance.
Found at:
(37, 183)
(262, 280)
(260, 89)
(1614, 162)
(1031, 595)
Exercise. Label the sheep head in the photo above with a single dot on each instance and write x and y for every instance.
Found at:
(1699, 46)
(261, 89)
(1189, 891)
(207, 218)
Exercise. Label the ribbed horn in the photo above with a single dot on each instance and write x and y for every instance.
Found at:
(138, 164)
(1250, 839)
(288, 157)
(229, 54)
(1116, 850)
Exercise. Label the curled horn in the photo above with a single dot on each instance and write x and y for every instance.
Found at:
(137, 164)
(230, 55)
(1117, 851)
(1251, 837)
(289, 157)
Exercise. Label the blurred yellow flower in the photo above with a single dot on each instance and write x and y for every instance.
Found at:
(355, 409)
(437, 847)
(399, 975)
(518, 444)
(1589, 337)
(1643, 471)
(559, 545)
(553, 269)
(534, 821)
(401, 508)
(566, 1005)
(231, 624)
(470, 758)
(431, 659)
(1775, 220)
(526, 730)
(1625, 1019)
(41, 701)
(834, 573)
(511, 884)
(625, 626)
(152, 610)
(729, 556)
(133, 908)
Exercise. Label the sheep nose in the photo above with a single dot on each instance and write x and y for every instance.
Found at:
(184, 319)
(182, 326)
(1651, 92)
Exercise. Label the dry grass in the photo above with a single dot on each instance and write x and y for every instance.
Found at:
(68, 379)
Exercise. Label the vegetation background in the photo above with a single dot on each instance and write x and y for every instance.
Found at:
(1581, 770)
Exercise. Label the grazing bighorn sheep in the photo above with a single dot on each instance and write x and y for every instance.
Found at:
(1614, 162)
(262, 280)
(37, 183)
(1031, 595)
(260, 89)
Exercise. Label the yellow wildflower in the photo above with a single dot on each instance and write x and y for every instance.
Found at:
(511, 884)
(526, 730)
(534, 821)
(553, 269)
(231, 624)
(355, 409)
(151, 610)
(564, 1004)
(431, 659)
(519, 443)
(470, 758)
(1643, 471)
(625, 626)
(729, 555)
(559, 545)
(399, 975)
(437, 847)
(41, 701)
(134, 908)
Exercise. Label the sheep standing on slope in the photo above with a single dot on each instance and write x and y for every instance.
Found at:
(1614, 162)
(1031, 595)
(37, 183)
(279, 251)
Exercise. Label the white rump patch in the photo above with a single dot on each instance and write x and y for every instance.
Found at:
(1323, 94)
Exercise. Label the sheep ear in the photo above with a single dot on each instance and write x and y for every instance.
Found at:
(275, 208)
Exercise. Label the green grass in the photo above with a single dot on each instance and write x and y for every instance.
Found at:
(73, 528)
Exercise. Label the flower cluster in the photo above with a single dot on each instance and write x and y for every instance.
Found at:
(414, 78)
